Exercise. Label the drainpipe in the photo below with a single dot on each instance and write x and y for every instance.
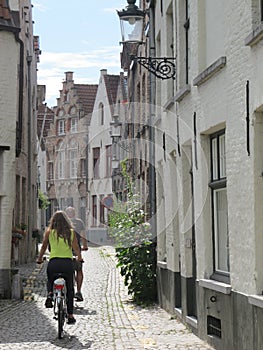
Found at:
(29, 183)
(152, 176)
(20, 97)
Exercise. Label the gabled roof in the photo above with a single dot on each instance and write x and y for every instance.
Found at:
(86, 94)
(111, 83)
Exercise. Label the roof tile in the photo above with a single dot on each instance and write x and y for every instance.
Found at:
(87, 95)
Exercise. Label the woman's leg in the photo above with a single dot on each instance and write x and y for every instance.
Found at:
(65, 266)
(51, 271)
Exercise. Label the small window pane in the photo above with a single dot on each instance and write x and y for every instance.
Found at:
(222, 155)
(214, 160)
(221, 230)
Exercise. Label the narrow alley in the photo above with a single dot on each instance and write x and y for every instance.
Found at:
(106, 319)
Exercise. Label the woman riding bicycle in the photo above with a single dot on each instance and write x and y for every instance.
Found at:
(61, 238)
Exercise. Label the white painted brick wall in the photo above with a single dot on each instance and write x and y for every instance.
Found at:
(8, 114)
(222, 101)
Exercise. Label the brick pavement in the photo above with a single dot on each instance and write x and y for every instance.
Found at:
(106, 320)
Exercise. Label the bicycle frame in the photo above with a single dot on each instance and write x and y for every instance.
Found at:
(59, 295)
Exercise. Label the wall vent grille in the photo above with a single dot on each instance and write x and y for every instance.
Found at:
(214, 326)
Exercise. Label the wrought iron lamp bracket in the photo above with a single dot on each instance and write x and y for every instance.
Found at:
(161, 67)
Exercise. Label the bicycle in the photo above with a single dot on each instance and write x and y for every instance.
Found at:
(60, 303)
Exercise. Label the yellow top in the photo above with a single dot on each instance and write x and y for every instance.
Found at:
(58, 247)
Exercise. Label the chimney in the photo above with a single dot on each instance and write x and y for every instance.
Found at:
(69, 77)
(103, 72)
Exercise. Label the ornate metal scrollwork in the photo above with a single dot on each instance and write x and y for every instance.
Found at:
(161, 67)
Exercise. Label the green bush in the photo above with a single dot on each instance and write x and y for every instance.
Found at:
(138, 267)
(135, 251)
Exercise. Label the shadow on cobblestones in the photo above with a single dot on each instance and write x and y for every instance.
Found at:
(78, 310)
(26, 324)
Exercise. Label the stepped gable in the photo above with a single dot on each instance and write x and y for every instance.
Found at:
(86, 96)
(111, 83)
(8, 18)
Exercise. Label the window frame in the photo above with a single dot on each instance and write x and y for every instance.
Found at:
(61, 161)
(74, 126)
(94, 210)
(218, 183)
(108, 160)
(73, 159)
(61, 127)
(96, 162)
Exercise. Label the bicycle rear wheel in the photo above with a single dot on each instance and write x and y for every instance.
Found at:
(61, 318)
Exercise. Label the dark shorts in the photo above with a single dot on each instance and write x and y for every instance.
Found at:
(77, 265)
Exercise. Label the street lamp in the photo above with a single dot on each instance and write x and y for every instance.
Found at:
(132, 26)
(115, 128)
(131, 21)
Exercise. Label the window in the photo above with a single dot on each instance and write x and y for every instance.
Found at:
(82, 206)
(61, 127)
(96, 162)
(73, 159)
(83, 167)
(94, 210)
(211, 25)
(74, 125)
(102, 215)
(108, 161)
(50, 171)
(61, 161)
(183, 43)
(219, 203)
(101, 114)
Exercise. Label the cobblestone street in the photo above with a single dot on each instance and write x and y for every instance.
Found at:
(106, 319)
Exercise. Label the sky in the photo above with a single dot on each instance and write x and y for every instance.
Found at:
(81, 36)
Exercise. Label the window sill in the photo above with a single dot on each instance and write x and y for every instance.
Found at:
(182, 93)
(210, 71)
(254, 37)
(178, 311)
(192, 321)
(216, 286)
(162, 264)
(256, 300)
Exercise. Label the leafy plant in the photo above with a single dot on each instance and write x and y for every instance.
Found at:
(135, 250)
(43, 200)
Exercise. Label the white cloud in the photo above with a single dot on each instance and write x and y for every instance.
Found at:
(86, 67)
(40, 7)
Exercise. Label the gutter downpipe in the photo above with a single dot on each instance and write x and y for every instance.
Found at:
(20, 96)
(152, 175)
(29, 124)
